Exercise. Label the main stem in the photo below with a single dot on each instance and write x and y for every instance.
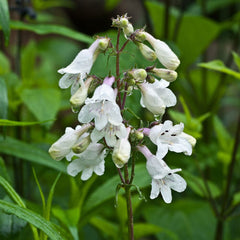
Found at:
(127, 188)
(125, 181)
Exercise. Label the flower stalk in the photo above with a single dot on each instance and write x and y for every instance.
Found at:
(104, 128)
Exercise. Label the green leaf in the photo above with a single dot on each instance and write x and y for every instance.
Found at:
(29, 152)
(15, 197)
(194, 36)
(5, 122)
(3, 170)
(156, 11)
(105, 226)
(111, 4)
(12, 193)
(35, 219)
(4, 64)
(107, 190)
(50, 198)
(236, 59)
(224, 138)
(181, 219)
(28, 63)
(197, 185)
(145, 229)
(43, 103)
(51, 29)
(3, 99)
(219, 66)
(4, 19)
(236, 198)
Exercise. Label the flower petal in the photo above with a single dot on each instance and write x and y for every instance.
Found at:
(67, 80)
(166, 193)
(155, 189)
(100, 168)
(86, 174)
(175, 182)
(74, 167)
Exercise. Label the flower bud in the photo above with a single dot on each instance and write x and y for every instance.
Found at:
(150, 79)
(166, 74)
(137, 135)
(82, 145)
(79, 97)
(123, 22)
(121, 152)
(140, 36)
(164, 54)
(103, 44)
(138, 74)
(62, 147)
(147, 52)
(128, 30)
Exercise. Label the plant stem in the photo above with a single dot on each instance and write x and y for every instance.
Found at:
(221, 219)
(127, 187)
(118, 68)
(167, 4)
(129, 212)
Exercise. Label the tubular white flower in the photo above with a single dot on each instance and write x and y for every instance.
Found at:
(102, 108)
(77, 70)
(163, 178)
(110, 133)
(122, 151)
(164, 54)
(171, 181)
(169, 137)
(91, 160)
(63, 146)
(156, 96)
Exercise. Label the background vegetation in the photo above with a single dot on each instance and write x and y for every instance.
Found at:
(40, 36)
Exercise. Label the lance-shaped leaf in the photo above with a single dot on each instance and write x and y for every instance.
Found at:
(4, 19)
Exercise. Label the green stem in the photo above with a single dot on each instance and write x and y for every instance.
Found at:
(129, 212)
(220, 224)
(166, 18)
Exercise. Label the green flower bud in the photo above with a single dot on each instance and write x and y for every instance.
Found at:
(140, 36)
(82, 145)
(79, 97)
(147, 52)
(166, 74)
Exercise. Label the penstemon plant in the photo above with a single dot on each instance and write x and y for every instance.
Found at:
(103, 130)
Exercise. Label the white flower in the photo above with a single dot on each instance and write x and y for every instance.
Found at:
(122, 151)
(156, 96)
(89, 161)
(62, 147)
(101, 107)
(164, 54)
(110, 133)
(171, 181)
(78, 69)
(169, 137)
(163, 178)
(81, 65)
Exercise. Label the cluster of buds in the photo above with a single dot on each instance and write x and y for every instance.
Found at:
(103, 130)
